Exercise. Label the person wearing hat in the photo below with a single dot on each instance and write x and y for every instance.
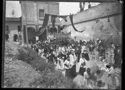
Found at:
(85, 55)
(78, 64)
(83, 47)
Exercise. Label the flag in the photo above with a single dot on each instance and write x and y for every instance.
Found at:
(43, 35)
(45, 23)
(53, 20)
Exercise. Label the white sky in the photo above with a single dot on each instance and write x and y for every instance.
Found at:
(65, 8)
(13, 5)
(68, 7)
(71, 7)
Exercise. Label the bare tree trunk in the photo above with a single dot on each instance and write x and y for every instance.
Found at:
(89, 6)
(80, 5)
(83, 3)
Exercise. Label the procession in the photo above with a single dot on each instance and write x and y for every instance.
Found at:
(85, 50)
(88, 59)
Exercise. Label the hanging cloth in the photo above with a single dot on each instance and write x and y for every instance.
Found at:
(45, 23)
(53, 20)
(43, 36)
(71, 19)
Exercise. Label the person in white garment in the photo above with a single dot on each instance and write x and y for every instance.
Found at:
(66, 64)
(63, 49)
(62, 64)
(59, 49)
(83, 48)
(72, 57)
(58, 64)
(78, 64)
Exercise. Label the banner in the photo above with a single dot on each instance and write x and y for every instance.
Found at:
(45, 23)
(53, 20)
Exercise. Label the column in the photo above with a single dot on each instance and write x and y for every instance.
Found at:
(27, 36)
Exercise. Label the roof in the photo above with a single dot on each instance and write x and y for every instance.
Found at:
(13, 19)
(102, 10)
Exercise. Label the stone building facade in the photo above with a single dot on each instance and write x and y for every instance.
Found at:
(33, 13)
(12, 27)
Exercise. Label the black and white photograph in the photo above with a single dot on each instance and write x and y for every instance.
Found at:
(60, 44)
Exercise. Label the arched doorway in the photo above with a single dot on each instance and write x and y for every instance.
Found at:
(31, 35)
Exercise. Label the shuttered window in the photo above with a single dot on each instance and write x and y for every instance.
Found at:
(7, 29)
(41, 13)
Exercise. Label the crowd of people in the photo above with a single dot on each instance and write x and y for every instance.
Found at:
(85, 58)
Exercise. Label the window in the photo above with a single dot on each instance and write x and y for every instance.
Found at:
(41, 13)
(19, 28)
